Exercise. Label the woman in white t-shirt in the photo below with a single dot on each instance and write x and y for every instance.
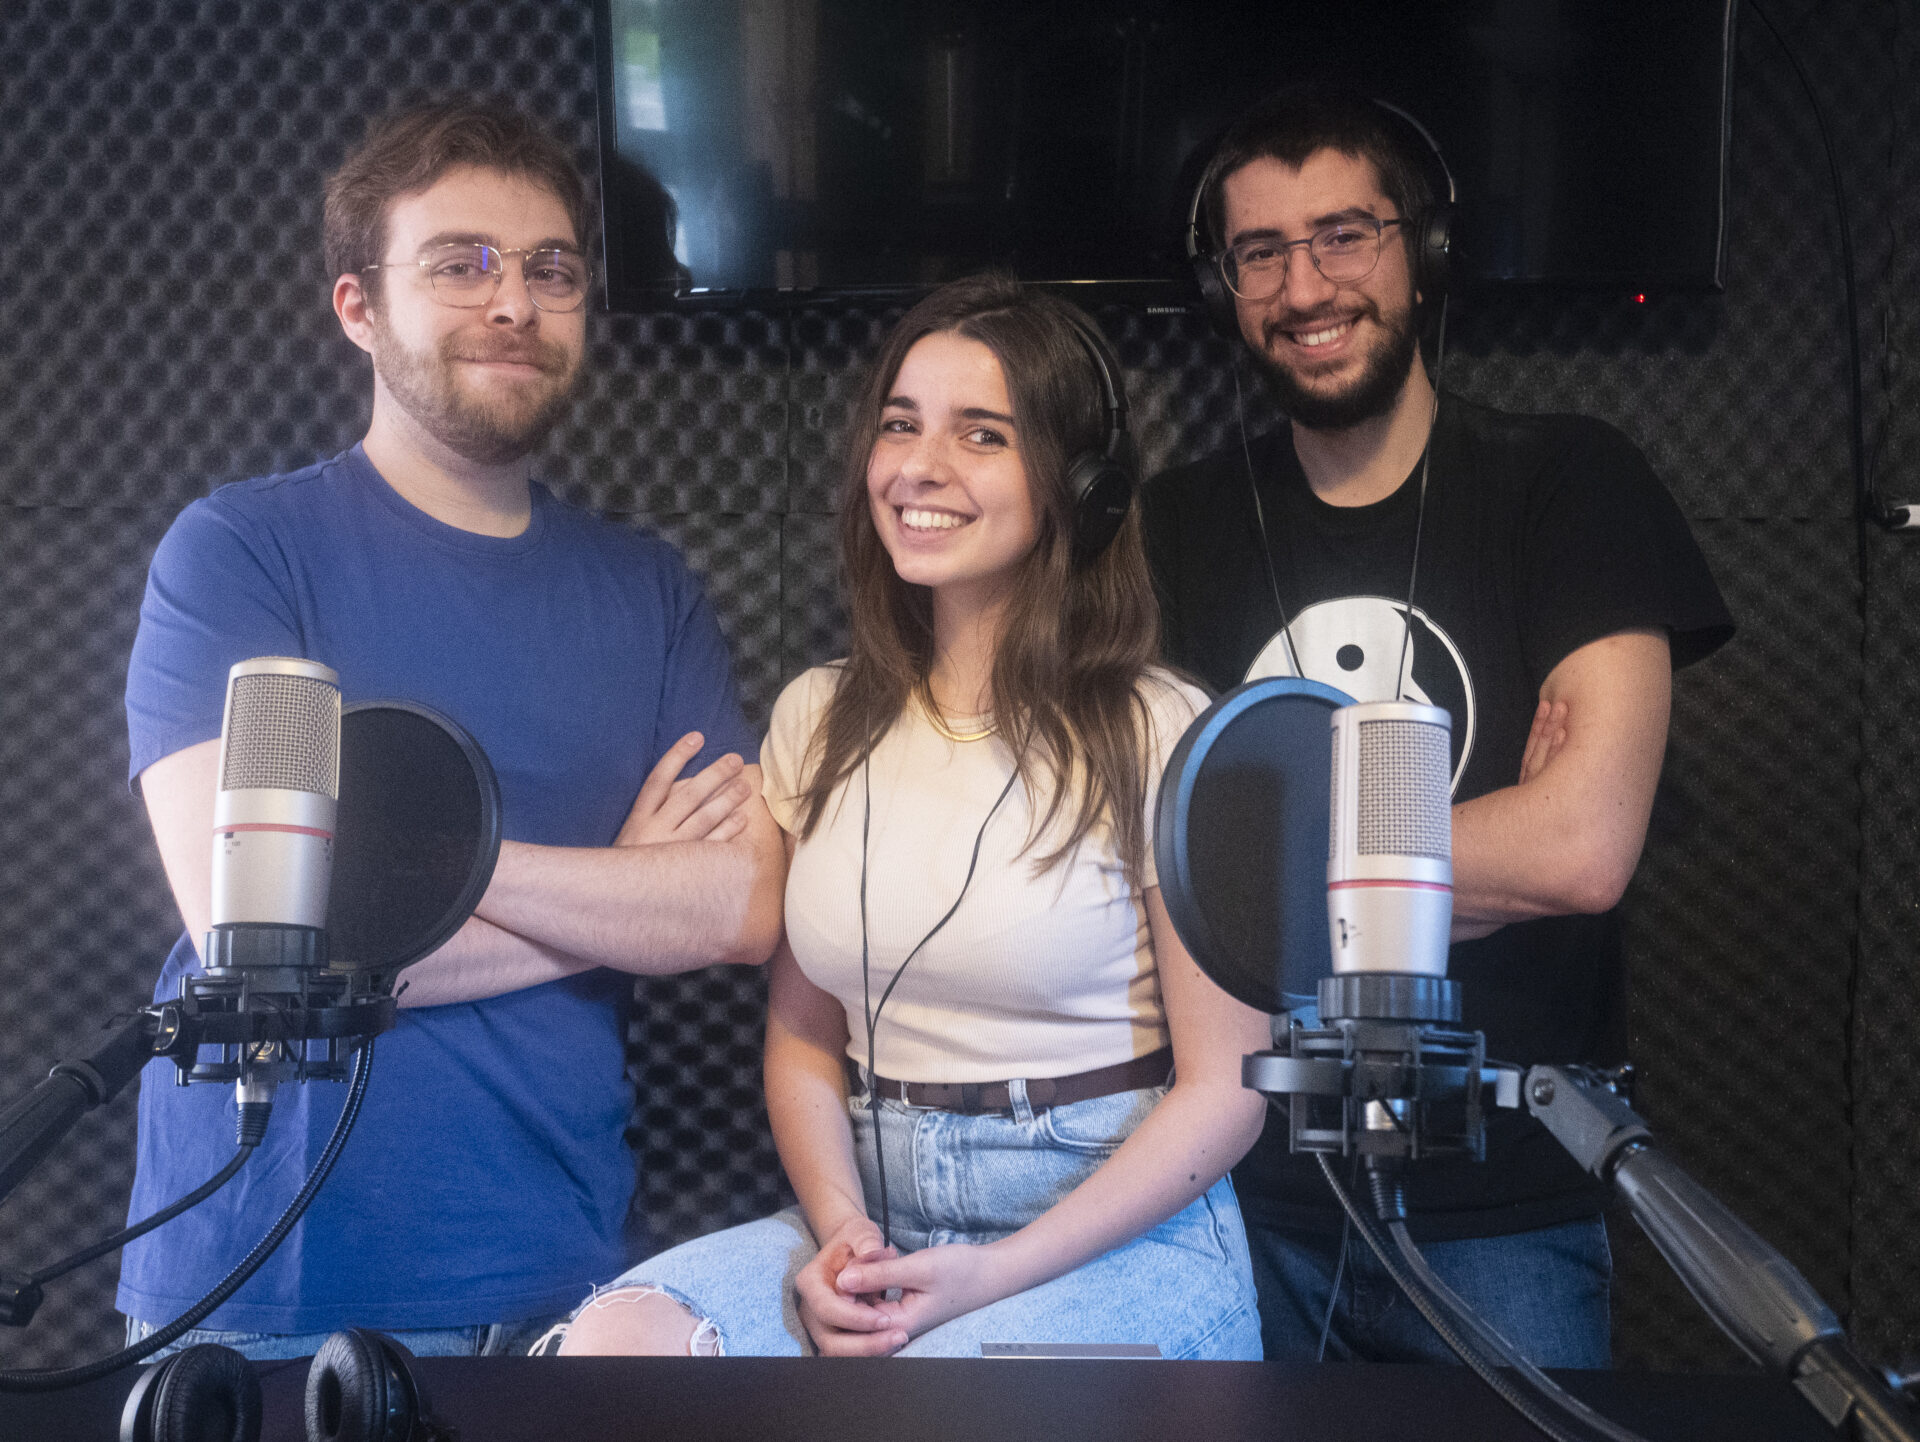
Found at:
(978, 971)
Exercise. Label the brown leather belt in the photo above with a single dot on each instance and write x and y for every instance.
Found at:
(978, 1098)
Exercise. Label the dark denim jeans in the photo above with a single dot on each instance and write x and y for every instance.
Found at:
(1545, 1291)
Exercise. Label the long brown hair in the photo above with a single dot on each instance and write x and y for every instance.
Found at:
(1077, 639)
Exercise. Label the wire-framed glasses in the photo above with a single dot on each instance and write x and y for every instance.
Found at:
(1343, 252)
(468, 273)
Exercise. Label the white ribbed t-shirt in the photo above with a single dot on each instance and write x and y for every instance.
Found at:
(1035, 975)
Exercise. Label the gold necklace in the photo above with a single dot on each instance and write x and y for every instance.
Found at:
(939, 721)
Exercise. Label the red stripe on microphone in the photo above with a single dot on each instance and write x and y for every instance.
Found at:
(1409, 885)
(272, 826)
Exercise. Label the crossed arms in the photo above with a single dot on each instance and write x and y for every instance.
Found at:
(1567, 837)
(694, 878)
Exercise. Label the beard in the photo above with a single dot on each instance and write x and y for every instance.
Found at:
(493, 428)
(1366, 397)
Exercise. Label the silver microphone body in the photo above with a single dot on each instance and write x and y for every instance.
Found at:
(1390, 847)
(274, 814)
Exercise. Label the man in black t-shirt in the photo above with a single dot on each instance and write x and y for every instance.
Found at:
(1557, 587)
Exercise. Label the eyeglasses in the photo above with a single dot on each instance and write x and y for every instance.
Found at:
(1343, 253)
(468, 275)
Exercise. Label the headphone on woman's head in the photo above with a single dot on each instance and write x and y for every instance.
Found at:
(1100, 483)
(1430, 245)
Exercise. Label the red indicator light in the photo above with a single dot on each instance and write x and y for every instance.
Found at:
(1640, 299)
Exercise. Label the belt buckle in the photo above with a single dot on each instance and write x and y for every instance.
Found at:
(906, 1099)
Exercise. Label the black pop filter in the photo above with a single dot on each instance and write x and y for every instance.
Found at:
(1240, 838)
(416, 838)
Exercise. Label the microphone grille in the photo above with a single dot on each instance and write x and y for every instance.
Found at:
(1404, 793)
(283, 734)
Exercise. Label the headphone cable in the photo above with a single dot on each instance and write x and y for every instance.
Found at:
(866, 992)
(1260, 520)
(1400, 676)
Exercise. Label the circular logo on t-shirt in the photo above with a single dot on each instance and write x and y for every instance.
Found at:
(1357, 643)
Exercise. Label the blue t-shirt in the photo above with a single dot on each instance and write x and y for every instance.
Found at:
(487, 1179)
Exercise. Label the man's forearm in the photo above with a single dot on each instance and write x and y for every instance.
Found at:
(654, 909)
(482, 960)
(1566, 840)
(1516, 857)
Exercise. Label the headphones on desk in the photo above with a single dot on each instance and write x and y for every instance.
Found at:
(1431, 248)
(360, 1388)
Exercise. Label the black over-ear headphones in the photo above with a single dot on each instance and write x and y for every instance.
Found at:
(204, 1393)
(1100, 482)
(360, 1388)
(1431, 244)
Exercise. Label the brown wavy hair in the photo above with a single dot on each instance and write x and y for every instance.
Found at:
(1077, 639)
(407, 151)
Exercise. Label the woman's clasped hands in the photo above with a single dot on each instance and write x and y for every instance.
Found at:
(859, 1297)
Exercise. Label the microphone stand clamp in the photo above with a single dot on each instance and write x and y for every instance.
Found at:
(1387, 1074)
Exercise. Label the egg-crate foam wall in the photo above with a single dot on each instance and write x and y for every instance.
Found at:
(168, 329)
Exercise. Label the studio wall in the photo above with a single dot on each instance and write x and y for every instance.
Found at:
(164, 327)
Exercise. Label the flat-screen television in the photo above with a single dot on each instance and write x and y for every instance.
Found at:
(756, 147)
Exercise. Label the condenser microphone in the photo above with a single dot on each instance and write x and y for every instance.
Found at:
(1390, 848)
(273, 820)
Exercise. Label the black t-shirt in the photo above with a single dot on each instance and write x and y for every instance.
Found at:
(1542, 533)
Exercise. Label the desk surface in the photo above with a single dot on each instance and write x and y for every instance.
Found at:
(518, 1399)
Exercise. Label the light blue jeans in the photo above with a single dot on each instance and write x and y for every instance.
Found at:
(1185, 1286)
(498, 1339)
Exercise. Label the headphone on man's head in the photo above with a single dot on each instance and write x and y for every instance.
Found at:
(1100, 483)
(1430, 245)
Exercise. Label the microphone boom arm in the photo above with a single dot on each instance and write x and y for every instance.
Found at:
(1754, 1294)
(32, 1126)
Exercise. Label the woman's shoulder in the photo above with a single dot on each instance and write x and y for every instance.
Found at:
(1171, 700)
(807, 695)
(791, 729)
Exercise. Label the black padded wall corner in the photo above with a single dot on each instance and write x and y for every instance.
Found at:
(1741, 923)
(84, 909)
(167, 329)
(1887, 1014)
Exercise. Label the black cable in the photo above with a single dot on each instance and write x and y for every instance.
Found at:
(873, 1012)
(1491, 1339)
(55, 1379)
(1468, 1338)
(1260, 520)
(1419, 518)
(1420, 514)
(1867, 502)
(1339, 1269)
(140, 1229)
(1340, 1254)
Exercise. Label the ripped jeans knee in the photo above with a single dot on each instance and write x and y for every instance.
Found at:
(705, 1341)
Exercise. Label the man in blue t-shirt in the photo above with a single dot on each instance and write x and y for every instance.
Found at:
(486, 1184)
